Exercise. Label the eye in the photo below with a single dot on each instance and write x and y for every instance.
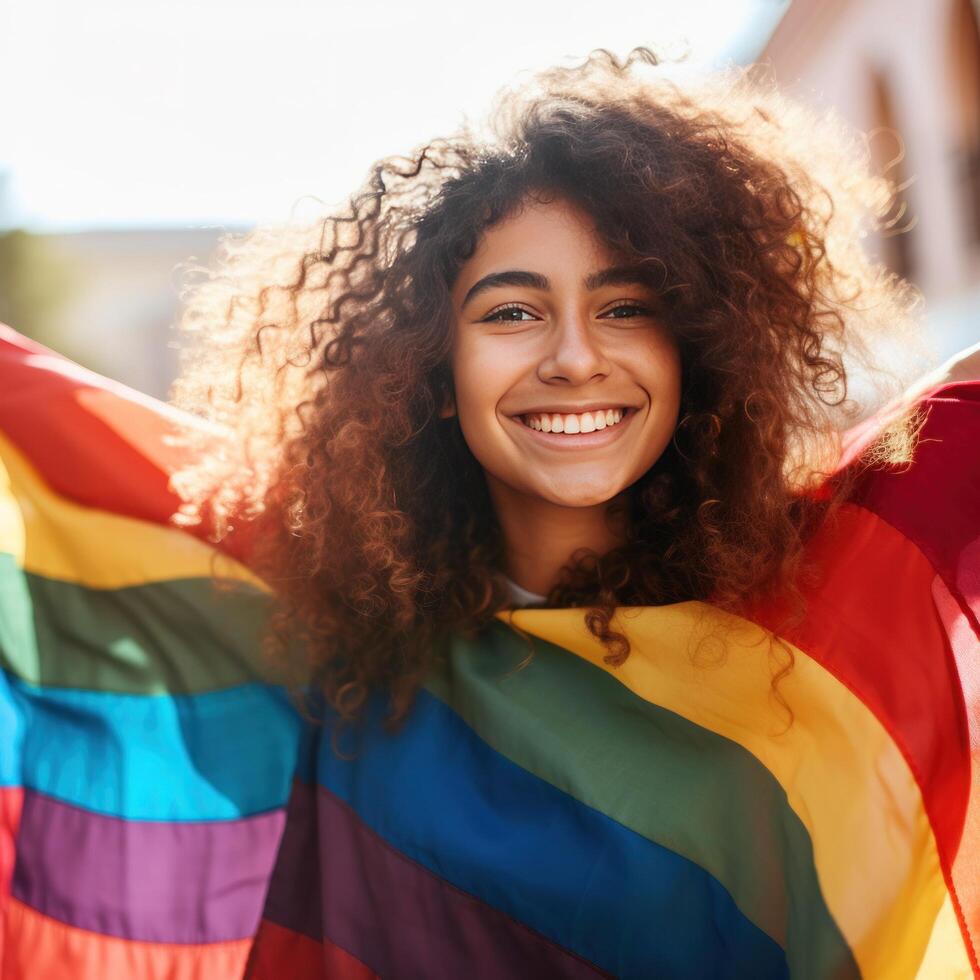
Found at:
(495, 316)
(499, 315)
(635, 309)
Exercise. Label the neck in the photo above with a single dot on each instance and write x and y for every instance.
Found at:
(540, 537)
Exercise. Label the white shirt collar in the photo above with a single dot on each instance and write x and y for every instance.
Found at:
(521, 596)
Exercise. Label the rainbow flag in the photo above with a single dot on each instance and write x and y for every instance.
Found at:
(162, 804)
(144, 760)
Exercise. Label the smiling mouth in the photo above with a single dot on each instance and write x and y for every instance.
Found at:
(583, 422)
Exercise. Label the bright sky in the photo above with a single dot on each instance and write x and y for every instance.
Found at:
(142, 112)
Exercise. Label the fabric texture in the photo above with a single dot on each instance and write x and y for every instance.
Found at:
(164, 812)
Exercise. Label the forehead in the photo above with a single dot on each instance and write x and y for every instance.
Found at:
(553, 235)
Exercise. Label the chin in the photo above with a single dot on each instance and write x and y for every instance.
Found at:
(586, 496)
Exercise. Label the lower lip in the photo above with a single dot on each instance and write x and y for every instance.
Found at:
(579, 440)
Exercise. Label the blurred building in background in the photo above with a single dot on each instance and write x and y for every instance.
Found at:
(907, 73)
(106, 298)
(124, 299)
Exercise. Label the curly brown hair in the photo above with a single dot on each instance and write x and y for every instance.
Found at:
(322, 351)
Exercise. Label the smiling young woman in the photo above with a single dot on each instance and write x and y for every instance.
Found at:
(601, 359)
(628, 653)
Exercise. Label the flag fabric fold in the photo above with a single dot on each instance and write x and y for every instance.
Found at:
(164, 812)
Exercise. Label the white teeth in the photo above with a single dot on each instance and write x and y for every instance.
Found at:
(571, 424)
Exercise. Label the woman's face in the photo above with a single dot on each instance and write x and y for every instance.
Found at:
(567, 384)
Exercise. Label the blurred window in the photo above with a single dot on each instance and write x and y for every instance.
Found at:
(888, 156)
(964, 66)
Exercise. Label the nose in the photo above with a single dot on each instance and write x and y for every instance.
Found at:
(574, 352)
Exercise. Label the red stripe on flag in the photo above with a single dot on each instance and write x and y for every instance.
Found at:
(279, 952)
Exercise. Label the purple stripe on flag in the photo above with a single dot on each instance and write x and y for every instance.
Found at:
(389, 912)
(294, 891)
(153, 881)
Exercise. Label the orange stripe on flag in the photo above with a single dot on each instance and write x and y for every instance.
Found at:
(41, 948)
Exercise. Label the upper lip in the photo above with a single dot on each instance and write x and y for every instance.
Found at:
(570, 409)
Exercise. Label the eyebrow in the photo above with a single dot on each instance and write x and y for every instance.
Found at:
(617, 275)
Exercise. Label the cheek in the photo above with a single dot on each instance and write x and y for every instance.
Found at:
(661, 377)
(465, 385)
(672, 380)
(652, 361)
(482, 375)
(664, 372)
(476, 398)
